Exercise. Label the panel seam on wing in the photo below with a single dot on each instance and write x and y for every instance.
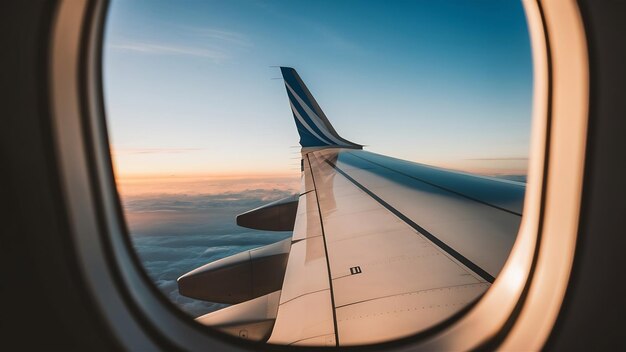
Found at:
(438, 186)
(416, 292)
(471, 266)
(330, 277)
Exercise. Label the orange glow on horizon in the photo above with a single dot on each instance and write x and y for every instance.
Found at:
(135, 185)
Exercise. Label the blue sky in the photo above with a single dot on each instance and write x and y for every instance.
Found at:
(189, 88)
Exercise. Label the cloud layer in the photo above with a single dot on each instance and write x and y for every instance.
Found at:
(174, 234)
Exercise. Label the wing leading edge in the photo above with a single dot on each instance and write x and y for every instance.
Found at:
(382, 248)
(397, 251)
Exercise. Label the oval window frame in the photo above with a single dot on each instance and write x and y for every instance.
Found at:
(517, 312)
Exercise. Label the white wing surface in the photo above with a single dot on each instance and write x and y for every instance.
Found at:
(380, 253)
(382, 248)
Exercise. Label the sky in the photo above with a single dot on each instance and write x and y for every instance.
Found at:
(201, 130)
(189, 87)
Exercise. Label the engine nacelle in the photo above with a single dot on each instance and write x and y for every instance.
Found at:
(240, 277)
(276, 216)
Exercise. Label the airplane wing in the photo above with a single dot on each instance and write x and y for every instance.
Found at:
(382, 248)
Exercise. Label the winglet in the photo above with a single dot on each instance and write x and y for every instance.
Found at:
(313, 126)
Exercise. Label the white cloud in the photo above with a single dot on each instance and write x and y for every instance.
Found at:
(224, 36)
(200, 230)
(212, 43)
(168, 49)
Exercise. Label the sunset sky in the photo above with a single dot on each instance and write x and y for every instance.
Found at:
(189, 88)
(201, 130)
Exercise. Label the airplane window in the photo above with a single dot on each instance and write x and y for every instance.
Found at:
(323, 173)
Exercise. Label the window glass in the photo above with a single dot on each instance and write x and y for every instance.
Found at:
(201, 128)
